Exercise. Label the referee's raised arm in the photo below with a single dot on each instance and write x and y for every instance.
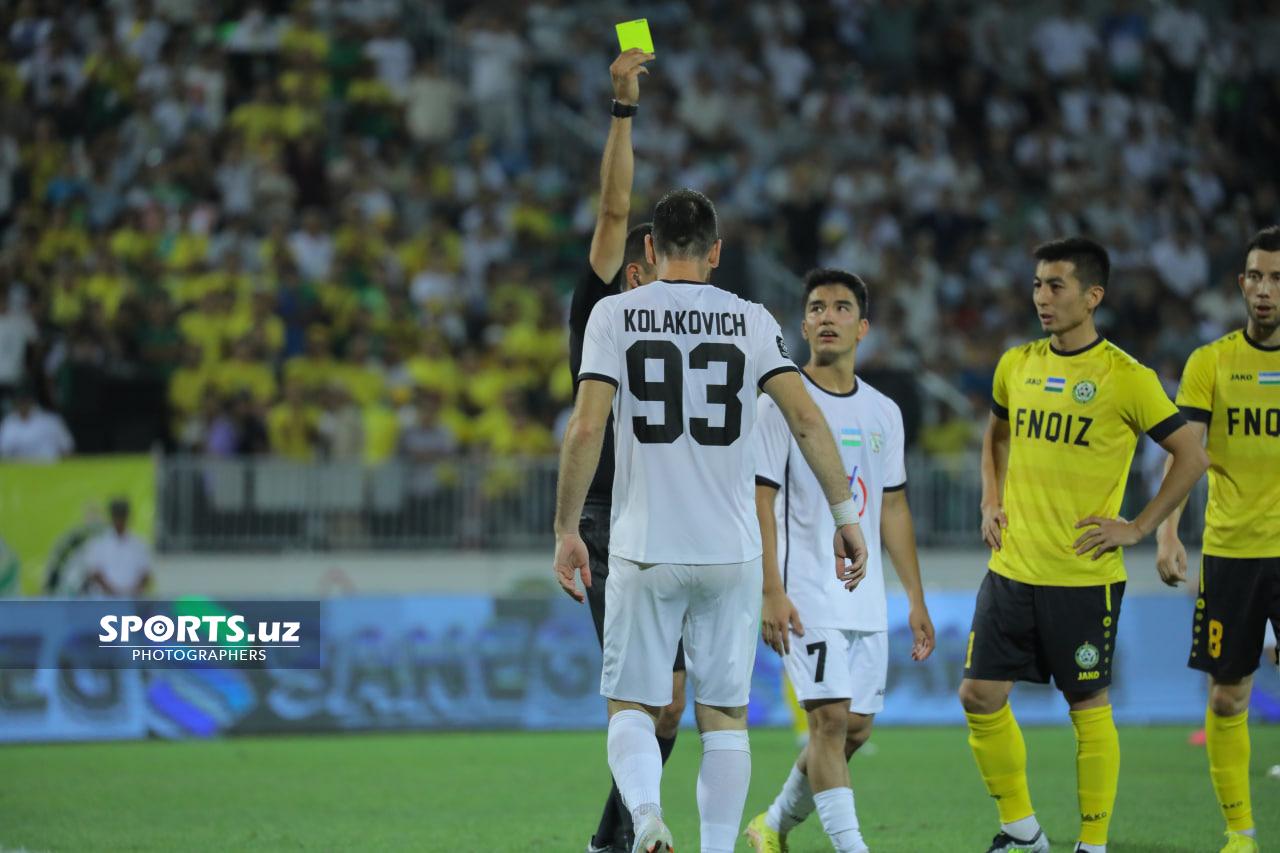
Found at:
(617, 166)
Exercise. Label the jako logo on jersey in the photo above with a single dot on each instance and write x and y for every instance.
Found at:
(860, 493)
(1242, 377)
(1033, 381)
(1055, 384)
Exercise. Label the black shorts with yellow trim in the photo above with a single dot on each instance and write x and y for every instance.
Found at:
(1028, 632)
(1237, 597)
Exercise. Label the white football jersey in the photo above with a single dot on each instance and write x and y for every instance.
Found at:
(867, 427)
(686, 359)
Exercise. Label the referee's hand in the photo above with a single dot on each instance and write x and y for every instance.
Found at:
(571, 559)
(625, 72)
(851, 556)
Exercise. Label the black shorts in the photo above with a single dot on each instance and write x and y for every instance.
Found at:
(1026, 632)
(594, 529)
(1237, 597)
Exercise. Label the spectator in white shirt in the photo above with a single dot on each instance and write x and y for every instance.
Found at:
(1181, 263)
(31, 434)
(119, 563)
(1065, 43)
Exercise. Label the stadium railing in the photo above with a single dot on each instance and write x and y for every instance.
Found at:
(267, 504)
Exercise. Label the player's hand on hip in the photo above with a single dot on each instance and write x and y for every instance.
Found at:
(778, 619)
(571, 559)
(993, 522)
(1106, 535)
(626, 71)
(851, 555)
(1171, 560)
(921, 631)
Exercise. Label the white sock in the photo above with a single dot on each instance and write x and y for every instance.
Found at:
(835, 810)
(1092, 848)
(723, 780)
(1023, 829)
(636, 762)
(793, 804)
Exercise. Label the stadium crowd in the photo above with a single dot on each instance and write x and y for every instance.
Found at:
(347, 229)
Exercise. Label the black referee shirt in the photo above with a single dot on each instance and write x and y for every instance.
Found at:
(590, 290)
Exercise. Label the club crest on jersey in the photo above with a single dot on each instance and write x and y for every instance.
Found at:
(1084, 391)
(1087, 656)
(782, 348)
(1055, 384)
(877, 441)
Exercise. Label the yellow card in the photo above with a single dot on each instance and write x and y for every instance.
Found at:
(635, 34)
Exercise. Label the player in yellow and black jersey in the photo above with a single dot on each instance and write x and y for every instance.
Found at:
(1230, 393)
(1067, 412)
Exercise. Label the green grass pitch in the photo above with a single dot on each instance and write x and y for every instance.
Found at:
(918, 791)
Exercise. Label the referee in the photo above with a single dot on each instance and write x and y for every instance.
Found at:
(617, 262)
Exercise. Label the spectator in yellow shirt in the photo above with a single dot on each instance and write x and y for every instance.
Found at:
(293, 426)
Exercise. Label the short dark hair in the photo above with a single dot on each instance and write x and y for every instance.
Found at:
(1266, 240)
(1093, 265)
(684, 225)
(634, 251)
(819, 277)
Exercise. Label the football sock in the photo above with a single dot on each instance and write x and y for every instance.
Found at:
(1091, 848)
(610, 819)
(723, 780)
(793, 804)
(839, 819)
(635, 760)
(1097, 771)
(1227, 742)
(1001, 754)
(665, 745)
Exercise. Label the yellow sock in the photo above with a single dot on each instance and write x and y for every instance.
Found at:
(1097, 771)
(1227, 742)
(1001, 754)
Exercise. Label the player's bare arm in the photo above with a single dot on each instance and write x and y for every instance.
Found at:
(1171, 554)
(579, 455)
(617, 166)
(813, 435)
(778, 615)
(1189, 463)
(995, 464)
(897, 531)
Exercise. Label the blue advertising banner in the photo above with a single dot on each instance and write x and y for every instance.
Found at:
(476, 662)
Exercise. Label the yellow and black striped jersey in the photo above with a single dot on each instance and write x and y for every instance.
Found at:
(1074, 421)
(1233, 386)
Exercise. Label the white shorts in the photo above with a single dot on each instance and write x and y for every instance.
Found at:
(649, 606)
(827, 663)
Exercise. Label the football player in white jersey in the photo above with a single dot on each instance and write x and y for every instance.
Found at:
(835, 646)
(678, 362)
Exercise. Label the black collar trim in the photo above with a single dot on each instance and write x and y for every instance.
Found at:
(1251, 342)
(1085, 348)
(827, 391)
(682, 281)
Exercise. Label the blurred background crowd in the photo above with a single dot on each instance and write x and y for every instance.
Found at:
(314, 230)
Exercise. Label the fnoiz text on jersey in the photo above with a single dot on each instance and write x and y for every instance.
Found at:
(685, 322)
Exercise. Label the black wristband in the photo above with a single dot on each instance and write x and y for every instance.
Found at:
(620, 110)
